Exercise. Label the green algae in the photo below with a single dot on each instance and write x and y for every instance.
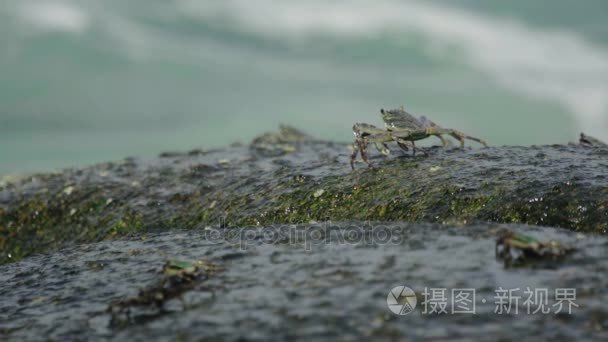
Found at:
(558, 186)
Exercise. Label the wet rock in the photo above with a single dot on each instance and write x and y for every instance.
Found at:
(309, 288)
(311, 181)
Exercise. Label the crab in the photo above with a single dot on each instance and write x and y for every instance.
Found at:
(589, 141)
(402, 128)
(366, 134)
(517, 249)
(177, 278)
(277, 144)
(408, 127)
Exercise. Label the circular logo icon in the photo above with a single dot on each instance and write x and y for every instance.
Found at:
(401, 300)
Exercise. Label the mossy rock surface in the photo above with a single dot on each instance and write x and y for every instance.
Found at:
(309, 181)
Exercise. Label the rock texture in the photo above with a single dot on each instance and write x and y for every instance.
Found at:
(287, 177)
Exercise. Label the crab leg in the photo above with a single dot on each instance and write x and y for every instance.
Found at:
(405, 137)
(382, 148)
(430, 124)
(455, 134)
(461, 136)
(364, 156)
(353, 156)
(403, 146)
(444, 142)
(414, 150)
(360, 146)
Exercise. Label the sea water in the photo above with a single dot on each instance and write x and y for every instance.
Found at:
(83, 81)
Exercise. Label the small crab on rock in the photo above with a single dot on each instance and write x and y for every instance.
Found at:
(589, 141)
(402, 128)
(177, 278)
(518, 249)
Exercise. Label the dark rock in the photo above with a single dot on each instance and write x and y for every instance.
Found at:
(557, 186)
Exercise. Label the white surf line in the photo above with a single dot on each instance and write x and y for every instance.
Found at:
(557, 66)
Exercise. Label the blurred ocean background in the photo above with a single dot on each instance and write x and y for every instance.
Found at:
(83, 81)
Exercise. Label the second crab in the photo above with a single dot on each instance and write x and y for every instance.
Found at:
(402, 128)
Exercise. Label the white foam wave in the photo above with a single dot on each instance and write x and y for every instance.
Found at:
(54, 15)
(558, 66)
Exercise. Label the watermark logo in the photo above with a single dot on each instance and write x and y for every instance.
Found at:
(401, 300)
(308, 236)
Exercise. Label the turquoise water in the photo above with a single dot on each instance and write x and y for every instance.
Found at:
(84, 81)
